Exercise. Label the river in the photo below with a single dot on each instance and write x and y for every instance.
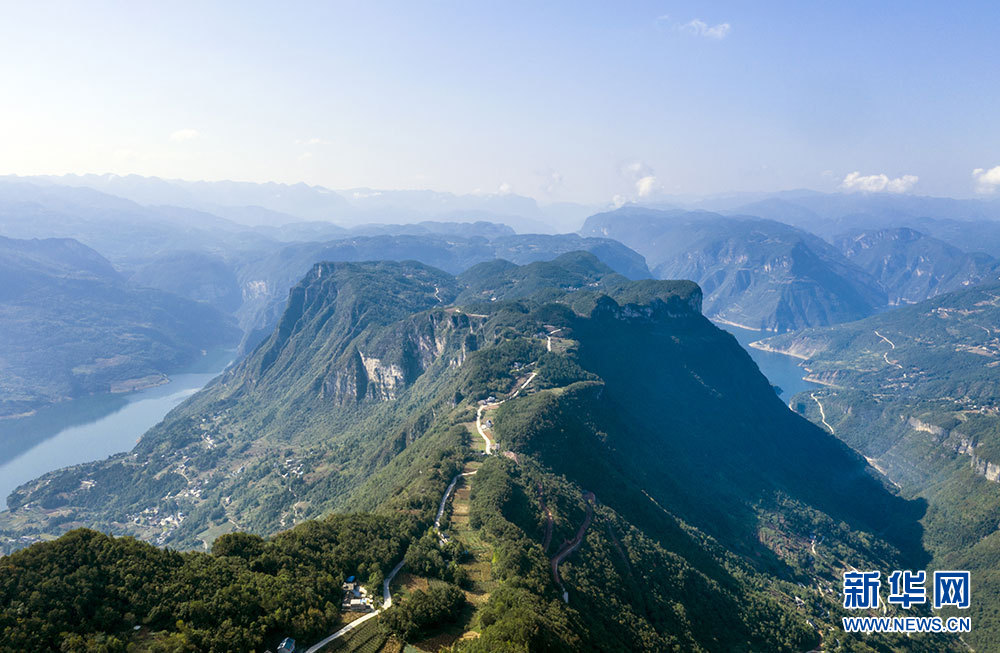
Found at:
(94, 427)
(782, 371)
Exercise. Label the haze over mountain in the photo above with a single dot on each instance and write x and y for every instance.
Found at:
(755, 273)
(912, 266)
(70, 325)
(367, 396)
(357, 392)
(451, 312)
(121, 230)
(256, 204)
(972, 225)
(266, 281)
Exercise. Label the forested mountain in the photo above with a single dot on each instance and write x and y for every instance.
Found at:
(70, 325)
(247, 269)
(915, 389)
(201, 276)
(450, 247)
(941, 347)
(646, 488)
(912, 266)
(755, 273)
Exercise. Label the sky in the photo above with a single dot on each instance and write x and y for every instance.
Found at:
(561, 101)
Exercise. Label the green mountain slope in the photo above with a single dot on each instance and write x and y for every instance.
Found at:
(647, 490)
(915, 390)
(266, 280)
(70, 326)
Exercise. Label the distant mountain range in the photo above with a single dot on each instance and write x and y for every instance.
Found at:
(755, 273)
(647, 490)
(260, 204)
(70, 325)
(266, 281)
(912, 266)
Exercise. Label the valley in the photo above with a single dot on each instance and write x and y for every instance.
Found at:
(911, 390)
(392, 397)
(393, 327)
(92, 428)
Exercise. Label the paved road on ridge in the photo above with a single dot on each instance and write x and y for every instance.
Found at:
(386, 604)
(444, 500)
(482, 407)
(573, 545)
(386, 596)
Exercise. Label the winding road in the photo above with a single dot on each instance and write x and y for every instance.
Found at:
(482, 407)
(822, 413)
(387, 596)
(573, 545)
(386, 604)
(444, 501)
(892, 345)
(548, 338)
(479, 426)
(547, 539)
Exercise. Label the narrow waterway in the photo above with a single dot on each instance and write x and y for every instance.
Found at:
(93, 428)
(782, 371)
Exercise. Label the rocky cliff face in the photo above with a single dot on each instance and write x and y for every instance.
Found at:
(912, 266)
(382, 368)
(265, 283)
(754, 273)
(961, 444)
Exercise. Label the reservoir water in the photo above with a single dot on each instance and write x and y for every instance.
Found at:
(782, 371)
(93, 428)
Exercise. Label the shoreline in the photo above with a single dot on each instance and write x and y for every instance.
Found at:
(758, 344)
(127, 386)
(739, 326)
(813, 379)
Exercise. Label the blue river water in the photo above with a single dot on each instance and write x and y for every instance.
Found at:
(94, 427)
(782, 371)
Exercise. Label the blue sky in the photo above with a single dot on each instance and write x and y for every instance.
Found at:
(557, 100)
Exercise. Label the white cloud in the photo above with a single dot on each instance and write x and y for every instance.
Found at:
(505, 188)
(646, 185)
(882, 183)
(701, 28)
(642, 177)
(185, 135)
(987, 181)
(619, 201)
